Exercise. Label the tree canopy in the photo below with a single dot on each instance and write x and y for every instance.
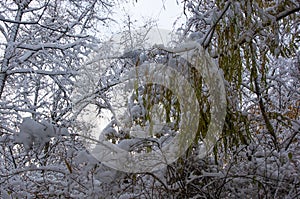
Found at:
(47, 85)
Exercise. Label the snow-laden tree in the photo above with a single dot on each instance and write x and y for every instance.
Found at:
(43, 46)
(256, 45)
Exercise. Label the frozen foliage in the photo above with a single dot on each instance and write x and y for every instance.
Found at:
(37, 133)
(43, 155)
(258, 155)
(43, 46)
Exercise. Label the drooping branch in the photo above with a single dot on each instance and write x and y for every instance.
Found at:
(208, 36)
(255, 29)
(262, 108)
(287, 13)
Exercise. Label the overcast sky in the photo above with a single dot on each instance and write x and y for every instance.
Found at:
(164, 11)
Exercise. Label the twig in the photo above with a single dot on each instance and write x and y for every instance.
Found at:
(208, 36)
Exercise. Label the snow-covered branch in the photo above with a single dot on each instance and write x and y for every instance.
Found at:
(49, 46)
(208, 36)
(40, 72)
(17, 22)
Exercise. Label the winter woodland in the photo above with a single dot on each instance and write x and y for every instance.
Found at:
(58, 67)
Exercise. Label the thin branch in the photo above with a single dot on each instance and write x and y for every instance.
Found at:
(269, 126)
(40, 72)
(291, 139)
(17, 22)
(209, 34)
(256, 28)
(48, 46)
(287, 13)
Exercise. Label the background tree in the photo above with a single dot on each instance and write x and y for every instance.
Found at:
(43, 45)
(256, 45)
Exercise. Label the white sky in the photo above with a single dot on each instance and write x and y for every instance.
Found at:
(164, 11)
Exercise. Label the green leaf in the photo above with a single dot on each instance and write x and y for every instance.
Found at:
(290, 155)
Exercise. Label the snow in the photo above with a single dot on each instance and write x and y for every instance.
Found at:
(39, 69)
(37, 133)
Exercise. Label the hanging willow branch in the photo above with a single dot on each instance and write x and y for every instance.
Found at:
(208, 36)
